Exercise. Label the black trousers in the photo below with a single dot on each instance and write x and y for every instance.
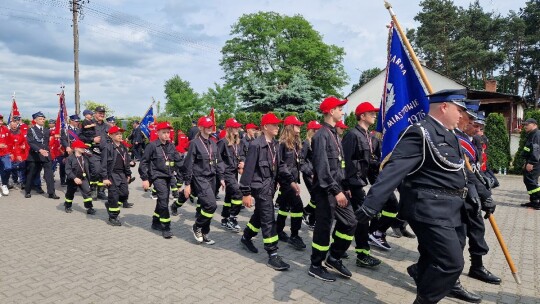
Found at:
(233, 197)
(289, 204)
(137, 151)
(84, 188)
(475, 230)
(263, 219)
(33, 169)
(441, 259)
(388, 216)
(328, 210)
(311, 205)
(118, 193)
(162, 187)
(361, 234)
(206, 201)
(530, 179)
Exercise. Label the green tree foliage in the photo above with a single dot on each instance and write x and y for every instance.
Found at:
(365, 77)
(268, 50)
(181, 98)
(499, 143)
(221, 98)
(92, 105)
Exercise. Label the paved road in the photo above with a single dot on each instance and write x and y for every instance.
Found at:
(48, 256)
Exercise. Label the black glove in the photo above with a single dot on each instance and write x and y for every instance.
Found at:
(364, 214)
(488, 206)
(477, 205)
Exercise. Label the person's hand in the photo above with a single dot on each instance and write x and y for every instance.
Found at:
(146, 185)
(3, 146)
(296, 188)
(488, 206)
(19, 158)
(247, 201)
(77, 181)
(107, 183)
(44, 152)
(187, 191)
(364, 214)
(341, 200)
(97, 139)
(222, 184)
(529, 167)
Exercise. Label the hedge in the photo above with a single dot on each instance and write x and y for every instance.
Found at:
(499, 142)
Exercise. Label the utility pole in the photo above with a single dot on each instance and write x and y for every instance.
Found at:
(75, 9)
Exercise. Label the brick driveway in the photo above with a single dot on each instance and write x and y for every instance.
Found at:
(48, 256)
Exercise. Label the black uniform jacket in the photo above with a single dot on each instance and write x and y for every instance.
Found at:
(202, 159)
(328, 162)
(531, 150)
(307, 156)
(77, 168)
(38, 139)
(159, 161)
(231, 155)
(412, 154)
(293, 159)
(263, 167)
(109, 157)
(357, 151)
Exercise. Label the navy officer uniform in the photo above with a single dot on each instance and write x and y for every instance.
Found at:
(428, 167)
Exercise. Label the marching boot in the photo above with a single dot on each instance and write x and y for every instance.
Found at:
(459, 292)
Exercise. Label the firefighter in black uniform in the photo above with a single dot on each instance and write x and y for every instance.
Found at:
(230, 150)
(201, 167)
(115, 174)
(290, 203)
(307, 173)
(330, 194)
(427, 164)
(264, 166)
(77, 174)
(39, 156)
(358, 151)
(531, 168)
(158, 165)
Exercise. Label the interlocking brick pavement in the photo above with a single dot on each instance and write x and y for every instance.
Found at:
(48, 256)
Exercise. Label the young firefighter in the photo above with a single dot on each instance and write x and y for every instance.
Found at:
(263, 166)
(329, 193)
(201, 166)
(307, 173)
(233, 159)
(290, 146)
(77, 175)
(158, 165)
(116, 174)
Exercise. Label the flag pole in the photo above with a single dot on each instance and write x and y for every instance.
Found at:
(416, 63)
(509, 260)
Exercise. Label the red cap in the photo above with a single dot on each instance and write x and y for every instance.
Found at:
(78, 144)
(330, 103)
(205, 122)
(164, 125)
(115, 129)
(232, 123)
(364, 107)
(341, 125)
(223, 133)
(313, 125)
(292, 120)
(252, 126)
(270, 119)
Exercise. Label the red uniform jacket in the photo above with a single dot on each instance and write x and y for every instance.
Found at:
(19, 143)
(5, 139)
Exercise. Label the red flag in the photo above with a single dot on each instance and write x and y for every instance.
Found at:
(14, 110)
(213, 117)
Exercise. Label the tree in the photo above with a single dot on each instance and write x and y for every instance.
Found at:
(365, 77)
(181, 98)
(92, 105)
(268, 49)
(221, 98)
(499, 143)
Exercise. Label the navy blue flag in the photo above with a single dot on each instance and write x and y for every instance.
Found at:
(147, 120)
(404, 100)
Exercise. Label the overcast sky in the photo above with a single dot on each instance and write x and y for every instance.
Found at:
(125, 59)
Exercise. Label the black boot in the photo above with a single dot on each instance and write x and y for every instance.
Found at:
(101, 193)
(459, 292)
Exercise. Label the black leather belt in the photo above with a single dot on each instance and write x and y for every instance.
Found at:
(462, 193)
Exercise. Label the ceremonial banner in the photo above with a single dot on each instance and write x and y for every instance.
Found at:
(404, 100)
(61, 120)
(213, 118)
(14, 110)
(147, 120)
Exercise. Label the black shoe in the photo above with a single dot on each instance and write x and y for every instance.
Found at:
(102, 196)
(248, 244)
(27, 195)
(207, 240)
(218, 197)
(413, 272)
(39, 191)
(167, 234)
(337, 265)
(114, 222)
(157, 226)
(127, 205)
(283, 236)
(406, 233)
(459, 292)
(320, 272)
(91, 211)
(131, 180)
(345, 256)
(53, 196)
(297, 242)
(277, 263)
(68, 210)
(529, 204)
(365, 260)
(484, 275)
(63, 184)
(174, 209)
